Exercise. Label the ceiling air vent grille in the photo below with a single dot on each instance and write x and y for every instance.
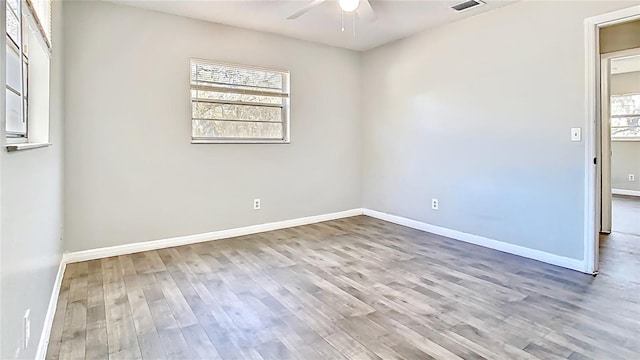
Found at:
(466, 5)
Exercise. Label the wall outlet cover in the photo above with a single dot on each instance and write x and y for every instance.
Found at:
(26, 329)
(576, 134)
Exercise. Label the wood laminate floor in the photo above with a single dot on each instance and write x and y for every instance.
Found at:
(356, 288)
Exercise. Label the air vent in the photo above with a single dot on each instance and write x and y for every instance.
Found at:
(466, 5)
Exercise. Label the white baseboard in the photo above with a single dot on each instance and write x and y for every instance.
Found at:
(99, 253)
(51, 311)
(546, 257)
(78, 256)
(625, 192)
(222, 234)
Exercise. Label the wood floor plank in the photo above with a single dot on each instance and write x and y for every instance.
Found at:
(96, 337)
(199, 342)
(349, 346)
(274, 350)
(74, 333)
(148, 339)
(355, 288)
(121, 333)
(368, 333)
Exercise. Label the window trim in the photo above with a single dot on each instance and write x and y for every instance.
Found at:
(18, 47)
(286, 105)
(29, 23)
(624, 138)
(33, 15)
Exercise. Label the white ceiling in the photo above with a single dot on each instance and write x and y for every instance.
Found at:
(625, 65)
(395, 18)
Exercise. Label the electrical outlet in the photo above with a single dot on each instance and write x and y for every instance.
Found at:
(256, 204)
(26, 329)
(434, 204)
(632, 177)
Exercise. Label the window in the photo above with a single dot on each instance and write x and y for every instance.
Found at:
(27, 70)
(238, 104)
(625, 117)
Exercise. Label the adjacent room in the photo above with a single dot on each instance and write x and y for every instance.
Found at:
(621, 228)
(320, 179)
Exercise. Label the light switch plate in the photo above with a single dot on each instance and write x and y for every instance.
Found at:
(576, 134)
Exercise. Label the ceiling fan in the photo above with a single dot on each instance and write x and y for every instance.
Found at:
(360, 7)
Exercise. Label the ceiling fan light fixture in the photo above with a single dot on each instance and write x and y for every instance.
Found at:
(349, 5)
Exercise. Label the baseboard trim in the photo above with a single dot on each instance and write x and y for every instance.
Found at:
(625, 192)
(51, 312)
(545, 257)
(100, 253)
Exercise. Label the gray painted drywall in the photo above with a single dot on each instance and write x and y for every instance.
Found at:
(626, 83)
(477, 114)
(132, 174)
(31, 221)
(625, 155)
(625, 160)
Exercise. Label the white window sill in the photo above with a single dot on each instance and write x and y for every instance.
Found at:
(626, 139)
(239, 141)
(26, 146)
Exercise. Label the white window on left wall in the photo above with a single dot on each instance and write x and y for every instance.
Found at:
(28, 49)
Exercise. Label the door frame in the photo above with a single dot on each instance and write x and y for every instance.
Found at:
(603, 149)
(593, 122)
(603, 171)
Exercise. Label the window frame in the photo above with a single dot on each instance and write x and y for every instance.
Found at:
(285, 114)
(18, 47)
(611, 117)
(34, 48)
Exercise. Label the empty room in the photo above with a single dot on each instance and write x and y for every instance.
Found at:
(320, 179)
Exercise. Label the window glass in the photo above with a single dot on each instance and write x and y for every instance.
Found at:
(12, 25)
(625, 116)
(15, 125)
(238, 104)
(13, 69)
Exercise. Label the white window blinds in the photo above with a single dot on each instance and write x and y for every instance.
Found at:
(234, 103)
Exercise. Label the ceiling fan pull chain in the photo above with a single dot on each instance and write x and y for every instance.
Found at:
(342, 20)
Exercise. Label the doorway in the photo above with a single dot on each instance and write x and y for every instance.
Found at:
(598, 57)
(620, 143)
(620, 130)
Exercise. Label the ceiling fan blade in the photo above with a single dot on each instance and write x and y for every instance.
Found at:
(365, 11)
(304, 10)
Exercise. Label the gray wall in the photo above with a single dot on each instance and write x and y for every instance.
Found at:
(625, 160)
(477, 114)
(625, 155)
(133, 174)
(625, 83)
(31, 220)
